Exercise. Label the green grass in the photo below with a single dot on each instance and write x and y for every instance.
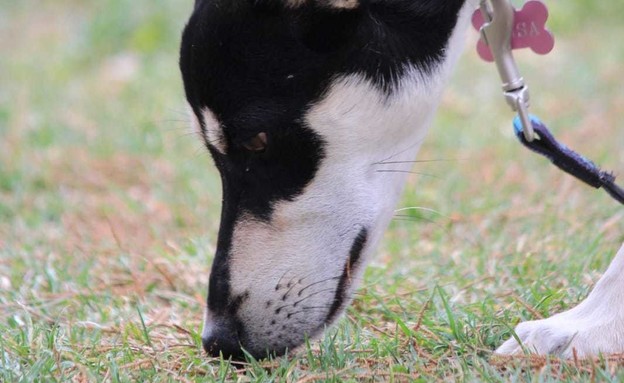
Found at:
(109, 210)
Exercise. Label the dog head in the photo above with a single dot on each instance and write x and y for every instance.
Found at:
(305, 105)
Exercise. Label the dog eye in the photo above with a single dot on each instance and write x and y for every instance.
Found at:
(256, 144)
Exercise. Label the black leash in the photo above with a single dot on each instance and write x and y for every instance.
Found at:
(568, 160)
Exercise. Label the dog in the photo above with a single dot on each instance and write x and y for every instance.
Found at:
(299, 102)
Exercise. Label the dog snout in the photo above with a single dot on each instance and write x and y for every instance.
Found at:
(223, 340)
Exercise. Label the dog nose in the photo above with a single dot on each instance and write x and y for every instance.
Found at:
(222, 341)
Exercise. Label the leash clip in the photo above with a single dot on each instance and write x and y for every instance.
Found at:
(497, 34)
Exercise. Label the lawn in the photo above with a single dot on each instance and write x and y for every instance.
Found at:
(109, 210)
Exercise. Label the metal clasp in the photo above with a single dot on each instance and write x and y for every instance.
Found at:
(497, 33)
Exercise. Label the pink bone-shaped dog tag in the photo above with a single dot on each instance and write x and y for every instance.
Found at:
(529, 30)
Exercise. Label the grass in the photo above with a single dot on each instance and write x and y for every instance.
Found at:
(109, 210)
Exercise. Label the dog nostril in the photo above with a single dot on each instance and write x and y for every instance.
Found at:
(223, 343)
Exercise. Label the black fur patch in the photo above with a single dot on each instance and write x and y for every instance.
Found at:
(345, 279)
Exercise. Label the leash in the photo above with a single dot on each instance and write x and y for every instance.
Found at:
(504, 29)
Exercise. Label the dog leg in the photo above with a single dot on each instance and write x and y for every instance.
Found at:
(595, 326)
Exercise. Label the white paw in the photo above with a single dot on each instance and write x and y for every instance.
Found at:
(541, 337)
(566, 335)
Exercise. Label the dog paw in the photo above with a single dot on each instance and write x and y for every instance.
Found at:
(540, 337)
(566, 336)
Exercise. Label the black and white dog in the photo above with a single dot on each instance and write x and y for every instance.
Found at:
(298, 101)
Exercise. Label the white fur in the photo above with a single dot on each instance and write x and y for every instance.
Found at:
(303, 250)
(195, 124)
(211, 131)
(595, 326)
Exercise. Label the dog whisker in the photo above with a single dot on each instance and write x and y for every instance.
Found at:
(292, 285)
(317, 283)
(307, 276)
(418, 142)
(280, 308)
(322, 307)
(285, 296)
(308, 310)
(176, 120)
(313, 294)
(278, 285)
(289, 315)
(407, 172)
(415, 162)
(422, 208)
